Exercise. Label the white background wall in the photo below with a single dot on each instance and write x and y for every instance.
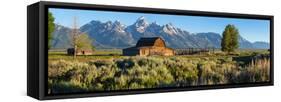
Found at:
(13, 51)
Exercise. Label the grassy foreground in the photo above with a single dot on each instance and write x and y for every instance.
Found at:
(105, 72)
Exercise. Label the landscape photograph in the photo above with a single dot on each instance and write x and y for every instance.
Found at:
(102, 51)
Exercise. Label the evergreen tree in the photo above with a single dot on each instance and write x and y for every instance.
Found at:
(51, 28)
(229, 42)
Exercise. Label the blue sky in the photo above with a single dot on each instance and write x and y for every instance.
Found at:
(251, 29)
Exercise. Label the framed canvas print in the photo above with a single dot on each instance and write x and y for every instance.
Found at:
(82, 50)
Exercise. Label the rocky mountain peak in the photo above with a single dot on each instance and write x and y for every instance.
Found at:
(141, 24)
(117, 26)
(117, 22)
(93, 22)
(169, 29)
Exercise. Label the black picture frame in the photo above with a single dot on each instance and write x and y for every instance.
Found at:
(37, 71)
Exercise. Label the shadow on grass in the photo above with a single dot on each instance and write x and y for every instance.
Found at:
(244, 59)
(64, 87)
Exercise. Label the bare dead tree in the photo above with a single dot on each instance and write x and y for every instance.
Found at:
(78, 39)
(74, 34)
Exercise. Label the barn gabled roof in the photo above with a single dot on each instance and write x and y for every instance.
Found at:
(148, 41)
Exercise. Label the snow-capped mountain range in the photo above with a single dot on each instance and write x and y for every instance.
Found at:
(117, 35)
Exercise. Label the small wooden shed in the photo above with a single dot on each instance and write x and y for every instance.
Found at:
(71, 51)
(149, 46)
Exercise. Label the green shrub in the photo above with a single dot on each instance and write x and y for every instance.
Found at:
(257, 71)
(151, 72)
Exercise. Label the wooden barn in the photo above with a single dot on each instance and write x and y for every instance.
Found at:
(71, 51)
(149, 46)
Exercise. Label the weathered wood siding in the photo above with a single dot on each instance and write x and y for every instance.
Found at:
(149, 46)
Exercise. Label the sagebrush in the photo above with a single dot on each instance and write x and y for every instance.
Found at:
(66, 76)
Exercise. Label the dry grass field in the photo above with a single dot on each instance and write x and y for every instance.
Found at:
(107, 70)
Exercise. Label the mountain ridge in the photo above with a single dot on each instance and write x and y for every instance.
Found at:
(117, 35)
